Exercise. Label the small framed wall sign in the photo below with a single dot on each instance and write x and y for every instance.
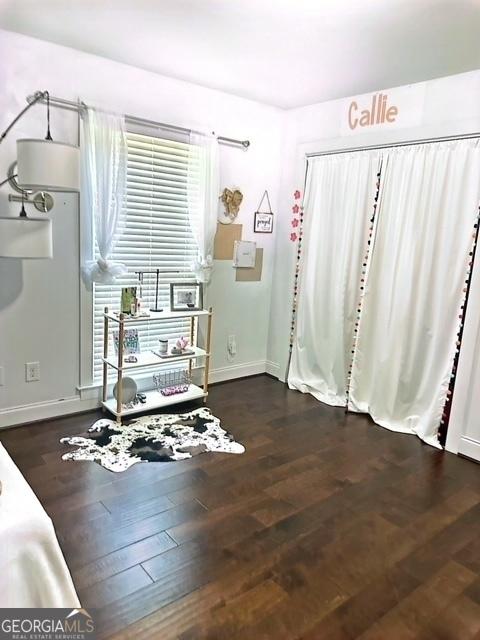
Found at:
(263, 220)
(186, 296)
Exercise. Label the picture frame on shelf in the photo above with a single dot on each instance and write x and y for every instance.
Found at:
(186, 296)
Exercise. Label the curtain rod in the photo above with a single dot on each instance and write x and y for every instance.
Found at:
(393, 144)
(70, 105)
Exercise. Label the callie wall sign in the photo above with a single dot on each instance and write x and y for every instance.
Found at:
(392, 109)
(378, 112)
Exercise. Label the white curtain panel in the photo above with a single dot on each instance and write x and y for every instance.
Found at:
(338, 206)
(203, 185)
(416, 285)
(104, 172)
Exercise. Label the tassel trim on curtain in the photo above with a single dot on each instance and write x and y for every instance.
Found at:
(447, 405)
(364, 273)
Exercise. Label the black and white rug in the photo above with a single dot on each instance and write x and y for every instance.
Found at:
(154, 438)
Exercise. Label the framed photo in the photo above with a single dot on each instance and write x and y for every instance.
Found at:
(263, 222)
(186, 296)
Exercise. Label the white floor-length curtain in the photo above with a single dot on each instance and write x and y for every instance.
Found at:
(338, 206)
(203, 186)
(104, 174)
(416, 285)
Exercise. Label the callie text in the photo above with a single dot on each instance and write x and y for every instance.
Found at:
(378, 112)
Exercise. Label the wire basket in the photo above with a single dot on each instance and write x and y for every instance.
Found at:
(172, 381)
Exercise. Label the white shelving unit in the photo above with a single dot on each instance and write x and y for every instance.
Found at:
(145, 360)
(149, 359)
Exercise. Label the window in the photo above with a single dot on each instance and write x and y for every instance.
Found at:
(156, 235)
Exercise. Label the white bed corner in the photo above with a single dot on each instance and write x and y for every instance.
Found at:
(33, 571)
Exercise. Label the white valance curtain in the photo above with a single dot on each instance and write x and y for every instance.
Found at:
(203, 185)
(338, 204)
(104, 171)
(414, 290)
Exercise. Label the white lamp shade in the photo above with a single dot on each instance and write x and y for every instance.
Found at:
(25, 237)
(46, 165)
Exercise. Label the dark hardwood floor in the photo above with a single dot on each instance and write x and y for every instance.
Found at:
(328, 527)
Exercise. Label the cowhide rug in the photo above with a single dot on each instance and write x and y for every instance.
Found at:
(157, 438)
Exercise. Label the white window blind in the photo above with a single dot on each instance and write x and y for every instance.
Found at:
(157, 234)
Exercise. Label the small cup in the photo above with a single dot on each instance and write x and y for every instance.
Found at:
(163, 346)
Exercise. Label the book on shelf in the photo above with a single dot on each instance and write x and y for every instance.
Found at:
(131, 343)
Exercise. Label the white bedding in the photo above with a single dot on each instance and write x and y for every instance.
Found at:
(33, 572)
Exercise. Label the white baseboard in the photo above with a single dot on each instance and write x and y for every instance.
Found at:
(273, 368)
(470, 448)
(237, 371)
(15, 416)
(89, 397)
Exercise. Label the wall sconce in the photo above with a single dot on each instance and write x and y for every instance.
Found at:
(42, 165)
(24, 237)
(41, 200)
(48, 165)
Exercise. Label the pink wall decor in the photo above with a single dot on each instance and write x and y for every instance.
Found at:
(296, 236)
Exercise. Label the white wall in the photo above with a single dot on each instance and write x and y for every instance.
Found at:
(39, 300)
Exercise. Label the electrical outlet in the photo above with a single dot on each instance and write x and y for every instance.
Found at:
(2, 376)
(32, 371)
(231, 345)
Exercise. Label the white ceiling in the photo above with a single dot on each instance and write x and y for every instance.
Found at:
(286, 53)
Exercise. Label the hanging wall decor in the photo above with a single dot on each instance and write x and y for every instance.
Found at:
(232, 199)
(244, 254)
(254, 274)
(263, 220)
(225, 239)
(297, 211)
(296, 235)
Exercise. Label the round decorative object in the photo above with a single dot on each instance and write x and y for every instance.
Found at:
(231, 199)
(129, 390)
